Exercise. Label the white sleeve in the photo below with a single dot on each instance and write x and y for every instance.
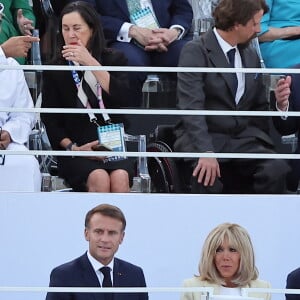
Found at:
(17, 95)
(123, 33)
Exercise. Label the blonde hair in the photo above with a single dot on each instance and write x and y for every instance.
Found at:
(237, 238)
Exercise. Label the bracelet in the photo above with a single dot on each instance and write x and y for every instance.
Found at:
(69, 146)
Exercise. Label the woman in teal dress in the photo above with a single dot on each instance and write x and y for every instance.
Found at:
(280, 34)
(18, 20)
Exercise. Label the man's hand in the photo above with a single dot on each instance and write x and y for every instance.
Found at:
(18, 46)
(207, 170)
(282, 92)
(25, 25)
(143, 35)
(5, 139)
(162, 38)
(167, 36)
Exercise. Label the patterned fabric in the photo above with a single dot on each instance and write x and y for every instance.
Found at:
(133, 6)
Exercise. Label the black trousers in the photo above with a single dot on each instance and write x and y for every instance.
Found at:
(247, 176)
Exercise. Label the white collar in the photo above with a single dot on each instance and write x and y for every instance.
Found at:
(96, 264)
(223, 44)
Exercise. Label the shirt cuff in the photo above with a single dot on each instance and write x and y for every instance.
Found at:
(284, 117)
(123, 33)
(2, 52)
(180, 36)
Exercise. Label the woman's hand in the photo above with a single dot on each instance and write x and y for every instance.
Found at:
(88, 147)
(25, 25)
(79, 54)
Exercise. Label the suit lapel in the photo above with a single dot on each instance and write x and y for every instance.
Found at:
(218, 59)
(117, 274)
(157, 8)
(247, 62)
(123, 6)
(89, 276)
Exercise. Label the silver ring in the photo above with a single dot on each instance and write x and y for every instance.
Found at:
(25, 26)
(72, 54)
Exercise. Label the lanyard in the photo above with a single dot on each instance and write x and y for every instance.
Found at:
(98, 93)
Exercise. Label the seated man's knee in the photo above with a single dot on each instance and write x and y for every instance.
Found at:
(270, 177)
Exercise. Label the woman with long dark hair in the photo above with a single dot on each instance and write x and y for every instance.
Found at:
(81, 42)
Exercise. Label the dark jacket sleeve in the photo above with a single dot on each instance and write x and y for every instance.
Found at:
(291, 124)
(293, 282)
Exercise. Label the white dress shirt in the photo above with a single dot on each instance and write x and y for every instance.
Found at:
(97, 266)
(237, 63)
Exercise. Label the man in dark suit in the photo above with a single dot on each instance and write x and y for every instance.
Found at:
(234, 29)
(145, 46)
(288, 99)
(293, 282)
(104, 230)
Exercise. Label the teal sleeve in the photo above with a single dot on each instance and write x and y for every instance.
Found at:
(264, 25)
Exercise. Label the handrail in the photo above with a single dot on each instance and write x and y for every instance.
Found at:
(208, 290)
(152, 111)
(255, 71)
(154, 154)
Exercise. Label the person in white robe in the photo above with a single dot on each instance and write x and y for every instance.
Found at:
(17, 172)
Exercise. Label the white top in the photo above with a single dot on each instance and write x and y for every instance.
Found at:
(15, 93)
(230, 291)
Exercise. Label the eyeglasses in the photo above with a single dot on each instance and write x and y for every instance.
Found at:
(2, 156)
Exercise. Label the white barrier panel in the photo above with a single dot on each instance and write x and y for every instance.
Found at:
(207, 292)
(164, 234)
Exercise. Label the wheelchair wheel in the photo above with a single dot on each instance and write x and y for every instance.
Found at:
(163, 170)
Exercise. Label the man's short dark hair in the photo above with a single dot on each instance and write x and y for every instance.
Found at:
(231, 12)
(107, 210)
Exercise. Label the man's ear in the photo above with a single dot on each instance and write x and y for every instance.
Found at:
(122, 237)
(86, 235)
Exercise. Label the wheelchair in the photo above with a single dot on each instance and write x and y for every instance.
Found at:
(168, 175)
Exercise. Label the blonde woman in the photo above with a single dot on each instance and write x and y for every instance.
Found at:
(227, 264)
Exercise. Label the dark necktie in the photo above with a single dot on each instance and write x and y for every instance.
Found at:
(231, 58)
(106, 282)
